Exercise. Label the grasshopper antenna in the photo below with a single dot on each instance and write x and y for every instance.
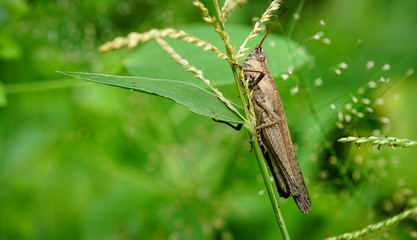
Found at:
(266, 35)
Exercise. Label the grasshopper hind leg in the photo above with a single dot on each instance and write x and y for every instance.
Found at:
(279, 178)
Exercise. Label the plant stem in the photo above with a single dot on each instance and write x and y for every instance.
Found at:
(270, 189)
(388, 141)
(390, 222)
(231, 59)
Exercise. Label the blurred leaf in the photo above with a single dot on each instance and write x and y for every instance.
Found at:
(152, 61)
(8, 49)
(3, 99)
(194, 98)
(122, 206)
(14, 7)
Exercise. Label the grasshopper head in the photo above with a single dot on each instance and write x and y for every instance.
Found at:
(259, 53)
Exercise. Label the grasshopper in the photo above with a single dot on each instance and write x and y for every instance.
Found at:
(271, 128)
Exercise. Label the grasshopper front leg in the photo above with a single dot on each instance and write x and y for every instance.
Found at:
(258, 78)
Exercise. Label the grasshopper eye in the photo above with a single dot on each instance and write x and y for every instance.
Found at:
(261, 57)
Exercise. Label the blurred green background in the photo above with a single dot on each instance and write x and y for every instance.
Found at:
(88, 161)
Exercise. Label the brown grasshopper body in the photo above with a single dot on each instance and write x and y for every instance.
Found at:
(272, 129)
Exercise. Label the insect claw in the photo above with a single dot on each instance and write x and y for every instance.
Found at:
(251, 147)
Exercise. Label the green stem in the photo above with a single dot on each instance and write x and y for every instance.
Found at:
(388, 141)
(241, 96)
(231, 60)
(294, 20)
(270, 189)
(390, 222)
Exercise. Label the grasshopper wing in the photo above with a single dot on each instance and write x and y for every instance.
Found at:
(303, 199)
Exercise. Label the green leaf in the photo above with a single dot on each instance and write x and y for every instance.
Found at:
(150, 60)
(193, 97)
